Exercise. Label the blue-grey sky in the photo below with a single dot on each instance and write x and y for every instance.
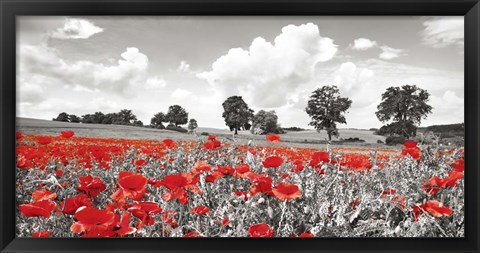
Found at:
(82, 65)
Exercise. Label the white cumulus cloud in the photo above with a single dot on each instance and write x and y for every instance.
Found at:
(75, 28)
(363, 44)
(440, 32)
(183, 67)
(266, 72)
(389, 53)
(181, 93)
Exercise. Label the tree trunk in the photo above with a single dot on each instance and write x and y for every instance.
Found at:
(236, 130)
(329, 136)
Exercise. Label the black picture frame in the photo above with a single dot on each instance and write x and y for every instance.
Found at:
(11, 8)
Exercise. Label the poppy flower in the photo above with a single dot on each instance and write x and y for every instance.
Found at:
(199, 210)
(240, 194)
(44, 140)
(260, 230)
(306, 235)
(286, 191)
(43, 194)
(42, 234)
(436, 209)
(143, 211)
(92, 186)
(433, 185)
(178, 184)
(225, 170)
(42, 208)
(140, 163)
(132, 186)
(399, 200)
(71, 205)
(67, 134)
(91, 221)
(319, 157)
(260, 183)
(212, 144)
(18, 135)
(122, 227)
(242, 170)
(168, 217)
(274, 138)
(458, 165)
(169, 143)
(225, 221)
(358, 162)
(410, 148)
(58, 173)
(201, 166)
(272, 162)
(453, 177)
(212, 137)
(192, 234)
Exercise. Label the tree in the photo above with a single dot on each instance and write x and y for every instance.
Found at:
(177, 115)
(157, 120)
(125, 117)
(236, 113)
(405, 106)
(264, 122)
(326, 108)
(64, 117)
(98, 117)
(192, 125)
(110, 118)
(74, 118)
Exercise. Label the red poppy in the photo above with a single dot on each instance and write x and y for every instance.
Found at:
(260, 183)
(242, 170)
(67, 134)
(201, 166)
(212, 144)
(44, 140)
(132, 186)
(399, 200)
(140, 163)
(92, 186)
(71, 205)
(225, 221)
(274, 138)
(272, 162)
(459, 165)
(192, 234)
(91, 221)
(178, 184)
(42, 208)
(42, 234)
(410, 148)
(169, 143)
(143, 211)
(452, 178)
(43, 194)
(299, 166)
(122, 227)
(286, 191)
(199, 210)
(168, 217)
(435, 208)
(306, 235)
(212, 137)
(58, 173)
(226, 170)
(319, 157)
(260, 230)
(433, 185)
(358, 162)
(18, 135)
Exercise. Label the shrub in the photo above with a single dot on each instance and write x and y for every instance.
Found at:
(394, 140)
(293, 129)
(380, 142)
(354, 139)
(176, 128)
(205, 133)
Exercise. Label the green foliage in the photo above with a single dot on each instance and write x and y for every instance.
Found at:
(406, 106)
(325, 108)
(264, 122)
(63, 117)
(395, 140)
(236, 113)
(176, 128)
(74, 118)
(177, 115)
(293, 129)
(192, 125)
(157, 120)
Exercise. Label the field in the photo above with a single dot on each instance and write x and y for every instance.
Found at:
(78, 180)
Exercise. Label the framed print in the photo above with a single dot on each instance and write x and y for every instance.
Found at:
(188, 126)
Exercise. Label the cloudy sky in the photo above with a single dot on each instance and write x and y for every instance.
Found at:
(82, 65)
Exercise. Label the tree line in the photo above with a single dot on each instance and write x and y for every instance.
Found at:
(404, 107)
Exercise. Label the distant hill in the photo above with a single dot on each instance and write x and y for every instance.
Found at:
(457, 129)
